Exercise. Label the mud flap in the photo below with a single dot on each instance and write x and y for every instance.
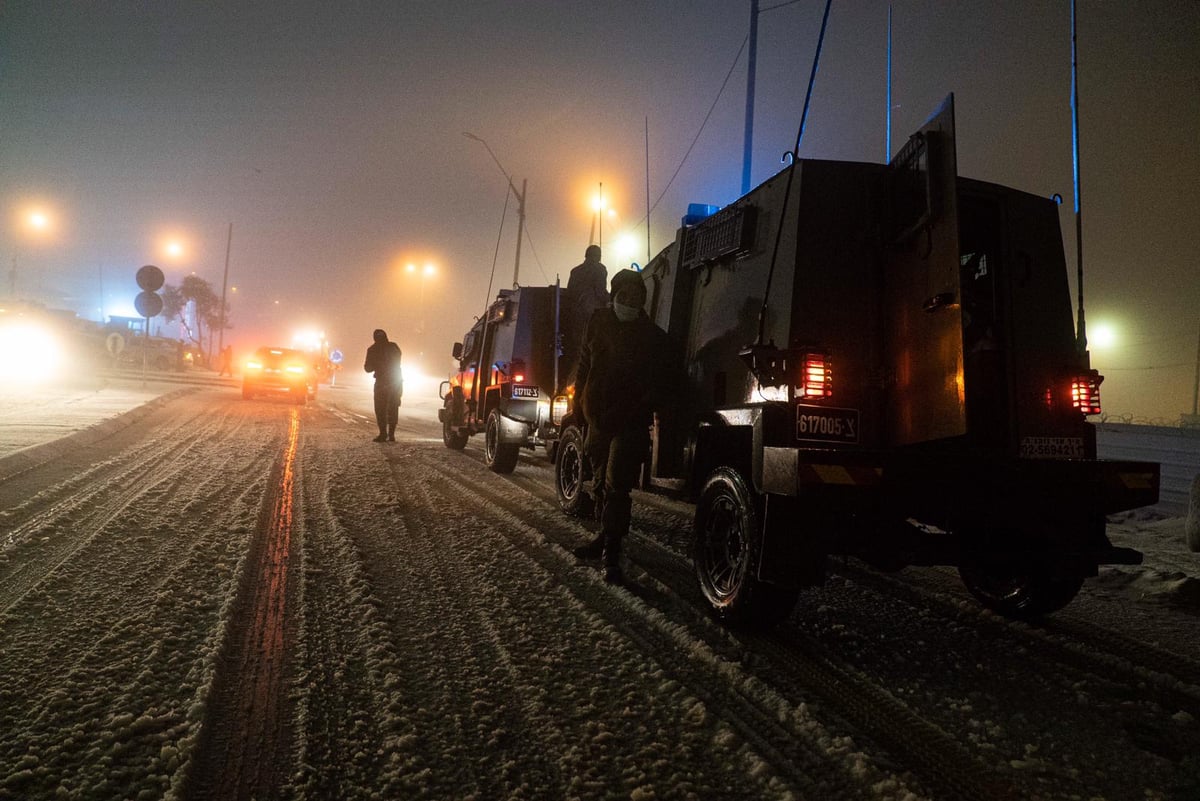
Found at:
(791, 555)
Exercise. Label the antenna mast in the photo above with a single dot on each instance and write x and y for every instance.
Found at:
(1081, 330)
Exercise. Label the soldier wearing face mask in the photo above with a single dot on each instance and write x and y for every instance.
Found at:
(627, 368)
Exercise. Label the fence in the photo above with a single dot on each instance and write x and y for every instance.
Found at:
(1176, 449)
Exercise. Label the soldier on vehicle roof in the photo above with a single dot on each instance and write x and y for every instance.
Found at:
(587, 291)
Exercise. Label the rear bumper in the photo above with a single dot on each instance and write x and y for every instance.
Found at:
(276, 385)
(910, 509)
(969, 485)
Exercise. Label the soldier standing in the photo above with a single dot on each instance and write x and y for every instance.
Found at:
(383, 359)
(627, 367)
(587, 291)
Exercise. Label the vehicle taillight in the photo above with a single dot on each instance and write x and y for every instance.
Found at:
(816, 379)
(517, 370)
(1085, 392)
(559, 408)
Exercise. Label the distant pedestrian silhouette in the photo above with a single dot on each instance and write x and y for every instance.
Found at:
(226, 361)
(383, 359)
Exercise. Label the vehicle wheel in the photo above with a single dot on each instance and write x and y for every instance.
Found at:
(569, 483)
(728, 540)
(1019, 595)
(499, 457)
(454, 440)
(246, 393)
(301, 398)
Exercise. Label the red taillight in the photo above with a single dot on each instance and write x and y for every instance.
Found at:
(816, 379)
(1085, 392)
(517, 370)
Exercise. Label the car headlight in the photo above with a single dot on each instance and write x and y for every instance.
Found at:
(29, 353)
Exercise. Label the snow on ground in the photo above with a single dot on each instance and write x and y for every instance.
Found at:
(443, 643)
(36, 415)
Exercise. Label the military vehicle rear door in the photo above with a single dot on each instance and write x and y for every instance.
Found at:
(923, 316)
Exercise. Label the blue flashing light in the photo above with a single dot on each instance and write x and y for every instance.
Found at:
(697, 212)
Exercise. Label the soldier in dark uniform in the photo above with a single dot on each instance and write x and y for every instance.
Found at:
(627, 369)
(383, 359)
(587, 290)
(588, 283)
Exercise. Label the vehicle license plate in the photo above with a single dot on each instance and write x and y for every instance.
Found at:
(519, 391)
(1052, 448)
(826, 424)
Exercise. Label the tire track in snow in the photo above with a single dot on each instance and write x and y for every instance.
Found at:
(448, 685)
(104, 658)
(776, 732)
(340, 691)
(242, 752)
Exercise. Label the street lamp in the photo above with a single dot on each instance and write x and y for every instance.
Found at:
(520, 202)
(600, 209)
(426, 272)
(38, 222)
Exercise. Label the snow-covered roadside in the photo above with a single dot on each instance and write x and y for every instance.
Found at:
(35, 416)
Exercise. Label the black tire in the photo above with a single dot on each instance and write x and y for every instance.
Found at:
(1020, 595)
(726, 548)
(569, 469)
(499, 457)
(454, 440)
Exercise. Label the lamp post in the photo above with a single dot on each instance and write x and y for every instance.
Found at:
(38, 223)
(224, 283)
(520, 202)
(427, 272)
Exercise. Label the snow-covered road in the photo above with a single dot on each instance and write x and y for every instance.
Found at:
(236, 599)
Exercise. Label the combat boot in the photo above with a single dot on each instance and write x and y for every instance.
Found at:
(614, 576)
(593, 550)
(612, 559)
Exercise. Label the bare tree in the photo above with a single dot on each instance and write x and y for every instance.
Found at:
(206, 308)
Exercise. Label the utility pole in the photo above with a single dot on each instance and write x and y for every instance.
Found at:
(520, 227)
(520, 202)
(1196, 386)
(748, 140)
(224, 284)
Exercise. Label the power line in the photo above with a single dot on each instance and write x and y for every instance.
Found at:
(1147, 367)
(696, 138)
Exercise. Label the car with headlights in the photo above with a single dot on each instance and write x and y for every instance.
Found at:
(280, 370)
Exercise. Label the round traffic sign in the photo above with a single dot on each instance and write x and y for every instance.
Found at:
(336, 357)
(148, 304)
(150, 278)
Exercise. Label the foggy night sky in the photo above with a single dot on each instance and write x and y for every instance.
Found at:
(330, 135)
